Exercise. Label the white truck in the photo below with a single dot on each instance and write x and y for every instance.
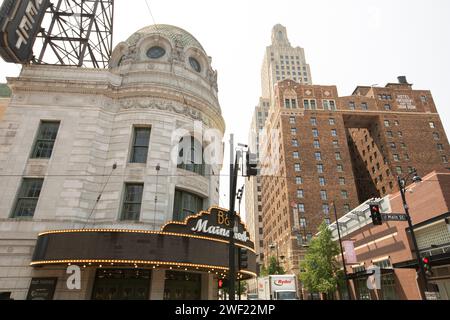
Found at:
(278, 287)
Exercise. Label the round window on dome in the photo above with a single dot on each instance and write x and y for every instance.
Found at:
(156, 52)
(195, 64)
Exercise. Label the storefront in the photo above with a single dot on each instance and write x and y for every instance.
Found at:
(183, 261)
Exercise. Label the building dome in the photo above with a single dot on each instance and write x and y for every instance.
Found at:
(173, 33)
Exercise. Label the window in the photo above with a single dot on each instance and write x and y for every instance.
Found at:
(141, 140)
(387, 107)
(331, 121)
(338, 156)
(344, 194)
(27, 198)
(292, 120)
(336, 144)
(132, 201)
(342, 181)
(287, 103)
(318, 156)
(186, 204)
(323, 195)
(45, 140)
(326, 209)
(191, 155)
(303, 222)
(390, 134)
(432, 125)
(396, 123)
(295, 155)
(315, 133)
(322, 181)
(393, 146)
(340, 168)
(351, 105)
(294, 103)
(301, 207)
(407, 157)
(332, 105)
(444, 159)
(312, 102)
(313, 121)
(435, 136)
(306, 104)
(298, 180)
(387, 123)
(293, 131)
(399, 170)
(396, 157)
(326, 105)
(440, 147)
(320, 168)
(423, 99)
(346, 208)
(316, 144)
(300, 193)
(400, 134)
(364, 106)
(334, 133)
(294, 142)
(297, 167)
(327, 221)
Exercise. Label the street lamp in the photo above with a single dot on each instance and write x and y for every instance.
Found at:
(402, 186)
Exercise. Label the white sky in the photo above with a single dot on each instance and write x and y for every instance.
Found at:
(347, 43)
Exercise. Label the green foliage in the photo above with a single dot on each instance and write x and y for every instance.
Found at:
(320, 269)
(275, 267)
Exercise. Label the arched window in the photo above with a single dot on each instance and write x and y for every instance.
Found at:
(190, 152)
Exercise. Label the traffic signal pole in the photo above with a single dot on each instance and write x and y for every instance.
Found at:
(422, 276)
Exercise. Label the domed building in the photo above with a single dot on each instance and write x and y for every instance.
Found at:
(110, 177)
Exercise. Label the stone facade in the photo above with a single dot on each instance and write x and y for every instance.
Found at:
(97, 111)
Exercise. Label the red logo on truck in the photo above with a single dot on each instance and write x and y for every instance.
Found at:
(281, 282)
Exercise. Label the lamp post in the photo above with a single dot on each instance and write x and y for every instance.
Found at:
(402, 186)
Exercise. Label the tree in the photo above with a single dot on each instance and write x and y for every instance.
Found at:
(320, 271)
(275, 267)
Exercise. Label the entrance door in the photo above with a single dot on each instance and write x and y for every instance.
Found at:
(182, 286)
(121, 284)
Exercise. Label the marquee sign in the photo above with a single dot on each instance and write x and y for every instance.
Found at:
(20, 22)
(214, 223)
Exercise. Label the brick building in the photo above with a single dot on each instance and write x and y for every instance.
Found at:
(389, 246)
(319, 148)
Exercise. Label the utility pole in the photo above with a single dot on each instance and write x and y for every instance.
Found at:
(347, 282)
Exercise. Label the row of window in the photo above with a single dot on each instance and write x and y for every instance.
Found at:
(190, 149)
(325, 208)
(322, 181)
(185, 203)
(320, 168)
(313, 121)
(323, 194)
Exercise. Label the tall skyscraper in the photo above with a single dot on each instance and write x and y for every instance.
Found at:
(283, 61)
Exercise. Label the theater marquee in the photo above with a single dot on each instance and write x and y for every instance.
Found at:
(200, 243)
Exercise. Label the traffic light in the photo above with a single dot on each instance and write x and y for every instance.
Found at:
(251, 165)
(222, 283)
(426, 265)
(376, 215)
(243, 258)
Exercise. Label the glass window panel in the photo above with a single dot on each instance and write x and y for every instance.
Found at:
(28, 197)
(45, 141)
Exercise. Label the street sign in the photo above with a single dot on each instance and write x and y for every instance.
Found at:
(394, 217)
